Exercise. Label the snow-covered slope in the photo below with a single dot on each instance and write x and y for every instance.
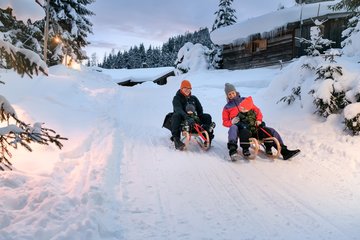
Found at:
(119, 177)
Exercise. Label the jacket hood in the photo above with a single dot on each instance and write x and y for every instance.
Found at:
(246, 104)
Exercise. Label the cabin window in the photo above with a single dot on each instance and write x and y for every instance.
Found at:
(259, 45)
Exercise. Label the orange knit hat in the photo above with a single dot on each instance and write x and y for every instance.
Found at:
(185, 84)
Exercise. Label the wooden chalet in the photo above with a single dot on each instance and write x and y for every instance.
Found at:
(282, 44)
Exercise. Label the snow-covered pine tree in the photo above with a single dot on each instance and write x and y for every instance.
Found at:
(353, 28)
(225, 16)
(18, 33)
(16, 132)
(215, 56)
(328, 91)
(69, 22)
(351, 5)
(316, 41)
(353, 24)
(352, 118)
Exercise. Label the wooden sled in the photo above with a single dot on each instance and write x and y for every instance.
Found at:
(197, 134)
(255, 147)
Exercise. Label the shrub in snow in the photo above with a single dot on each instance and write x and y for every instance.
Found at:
(192, 57)
(351, 44)
(328, 93)
(298, 86)
(316, 42)
(215, 56)
(295, 93)
(352, 118)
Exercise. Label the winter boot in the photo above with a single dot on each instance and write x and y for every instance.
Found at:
(268, 150)
(246, 152)
(287, 154)
(211, 127)
(179, 145)
(232, 146)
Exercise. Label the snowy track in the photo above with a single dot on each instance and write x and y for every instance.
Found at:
(119, 176)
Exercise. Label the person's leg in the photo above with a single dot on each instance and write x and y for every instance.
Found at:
(207, 124)
(265, 132)
(232, 140)
(176, 129)
(285, 152)
(245, 135)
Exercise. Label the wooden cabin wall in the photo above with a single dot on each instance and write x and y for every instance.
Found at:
(280, 48)
(277, 49)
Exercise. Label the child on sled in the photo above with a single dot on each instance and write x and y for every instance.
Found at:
(244, 120)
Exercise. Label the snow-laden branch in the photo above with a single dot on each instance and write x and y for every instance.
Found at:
(22, 134)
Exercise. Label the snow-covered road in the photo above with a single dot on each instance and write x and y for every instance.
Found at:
(119, 177)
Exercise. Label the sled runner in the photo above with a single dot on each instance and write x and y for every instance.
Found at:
(196, 133)
(255, 148)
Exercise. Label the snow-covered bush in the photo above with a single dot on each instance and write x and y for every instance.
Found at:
(352, 118)
(316, 41)
(215, 56)
(295, 93)
(351, 44)
(192, 57)
(328, 92)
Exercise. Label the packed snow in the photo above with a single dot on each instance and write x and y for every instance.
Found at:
(120, 177)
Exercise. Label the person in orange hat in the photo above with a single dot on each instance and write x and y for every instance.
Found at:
(243, 119)
(182, 102)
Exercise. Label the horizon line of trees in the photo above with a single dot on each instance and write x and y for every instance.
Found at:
(165, 55)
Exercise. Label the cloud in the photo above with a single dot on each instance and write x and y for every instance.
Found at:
(24, 9)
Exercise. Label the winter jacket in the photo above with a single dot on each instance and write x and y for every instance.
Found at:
(180, 101)
(233, 106)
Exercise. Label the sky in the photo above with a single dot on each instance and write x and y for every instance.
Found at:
(120, 177)
(120, 25)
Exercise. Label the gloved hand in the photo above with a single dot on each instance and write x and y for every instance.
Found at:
(242, 125)
(190, 121)
(235, 120)
(260, 124)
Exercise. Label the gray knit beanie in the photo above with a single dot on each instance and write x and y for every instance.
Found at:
(228, 88)
(190, 108)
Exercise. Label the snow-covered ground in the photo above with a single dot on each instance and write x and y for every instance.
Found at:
(119, 177)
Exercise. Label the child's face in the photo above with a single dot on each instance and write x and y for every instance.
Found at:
(231, 95)
(242, 109)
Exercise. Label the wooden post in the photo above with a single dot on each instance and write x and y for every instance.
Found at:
(46, 30)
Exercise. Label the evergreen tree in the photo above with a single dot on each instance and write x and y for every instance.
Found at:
(94, 60)
(19, 34)
(69, 22)
(163, 56)
(334, 99)
(225, 16)
(351, 5)
(13, 131)
(316, 42)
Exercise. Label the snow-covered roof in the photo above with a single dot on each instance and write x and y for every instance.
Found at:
(137, 75)
(266, 23)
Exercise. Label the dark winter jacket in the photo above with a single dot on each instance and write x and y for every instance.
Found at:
(180, 101)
